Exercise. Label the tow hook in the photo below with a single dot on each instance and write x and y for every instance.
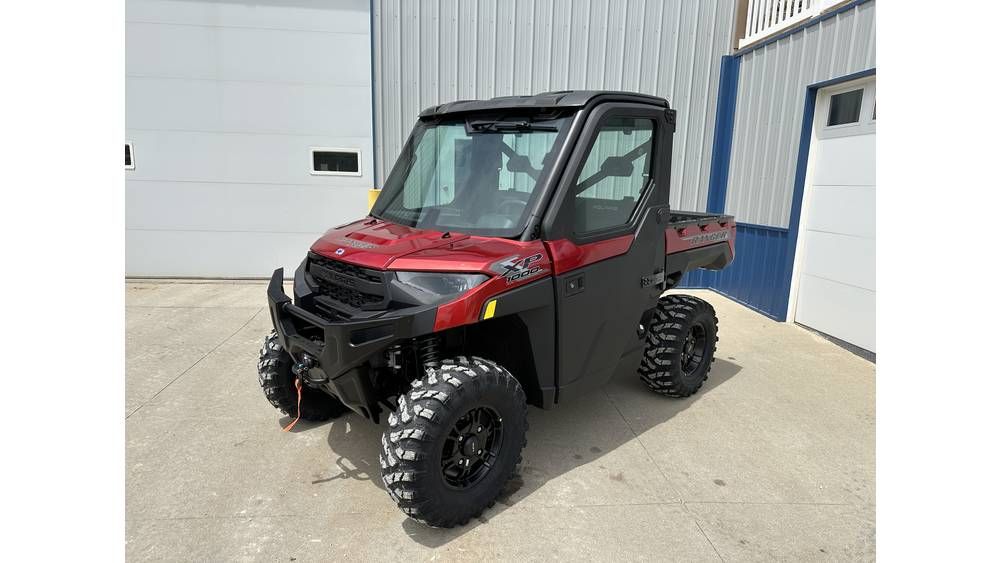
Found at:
(302, 367)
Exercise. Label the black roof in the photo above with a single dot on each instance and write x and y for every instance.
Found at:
(562, 99)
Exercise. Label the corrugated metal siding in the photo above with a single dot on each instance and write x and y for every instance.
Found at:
(772, 89)
(430, 52)
(751, 279)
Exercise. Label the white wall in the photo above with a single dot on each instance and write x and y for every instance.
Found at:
(223, 101)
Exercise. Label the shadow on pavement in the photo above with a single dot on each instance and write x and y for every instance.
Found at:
(355, 442)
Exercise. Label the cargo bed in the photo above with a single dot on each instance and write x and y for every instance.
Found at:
(698, 240)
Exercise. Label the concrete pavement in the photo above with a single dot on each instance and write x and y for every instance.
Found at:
(774, 459)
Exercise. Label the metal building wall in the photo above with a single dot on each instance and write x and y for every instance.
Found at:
(776, 88)
(428, 52)
(772, 91)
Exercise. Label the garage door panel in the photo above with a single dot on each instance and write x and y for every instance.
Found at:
(846, 161)
(213, 254)
(258, 208)
(316, 15)
(192, 156)
(229, 53)
(835, 260)
(212, 105)
(843, 311)
(848, 210)
(849, 260)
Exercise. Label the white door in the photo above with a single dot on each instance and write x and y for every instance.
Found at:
(835, 258)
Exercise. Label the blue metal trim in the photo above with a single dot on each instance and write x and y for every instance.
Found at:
(371, 49)
(747, 305)
(844, 78)
(750, 279)
(798, 188)
(800, 27)
(722, 144)
(751, 306)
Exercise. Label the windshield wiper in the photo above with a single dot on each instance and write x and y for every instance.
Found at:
(504, 126)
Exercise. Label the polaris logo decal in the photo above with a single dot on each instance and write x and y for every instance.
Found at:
(517, 268)
(708, 237)
(339, 252)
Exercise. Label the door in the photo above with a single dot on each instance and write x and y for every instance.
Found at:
(610, 206)
(835, 259)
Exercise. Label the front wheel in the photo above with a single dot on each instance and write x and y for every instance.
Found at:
(454, 441)
(680, 346)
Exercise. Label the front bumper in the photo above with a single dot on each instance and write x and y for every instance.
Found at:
(340, 350)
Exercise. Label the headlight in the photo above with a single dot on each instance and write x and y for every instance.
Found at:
(439, 284)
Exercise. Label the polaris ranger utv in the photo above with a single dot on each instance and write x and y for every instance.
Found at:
(517, 254)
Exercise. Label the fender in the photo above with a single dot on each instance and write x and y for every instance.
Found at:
(531, 306)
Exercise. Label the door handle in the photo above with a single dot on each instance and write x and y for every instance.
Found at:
(573, 285)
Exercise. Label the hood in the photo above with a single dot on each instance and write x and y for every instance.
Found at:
(374, 243)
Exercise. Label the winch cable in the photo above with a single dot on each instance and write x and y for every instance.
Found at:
(298, 405)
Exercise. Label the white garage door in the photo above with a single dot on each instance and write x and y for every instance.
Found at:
(835, 259)
(250, 129)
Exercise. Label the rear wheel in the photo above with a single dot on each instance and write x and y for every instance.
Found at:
(274, 372)
(454, 441)
(680, 346)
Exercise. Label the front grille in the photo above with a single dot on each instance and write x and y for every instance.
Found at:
(346, 284)
(354, 298)
(366, 274)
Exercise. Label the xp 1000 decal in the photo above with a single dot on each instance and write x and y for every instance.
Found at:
(518, 268)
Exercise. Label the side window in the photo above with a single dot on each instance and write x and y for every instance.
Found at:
(616, 172)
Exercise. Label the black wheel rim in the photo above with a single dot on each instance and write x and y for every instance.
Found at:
(472, 447)
(693, 351)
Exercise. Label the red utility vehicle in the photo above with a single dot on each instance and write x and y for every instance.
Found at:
(518, 254)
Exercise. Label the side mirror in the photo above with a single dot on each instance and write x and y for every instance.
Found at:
(617, 167)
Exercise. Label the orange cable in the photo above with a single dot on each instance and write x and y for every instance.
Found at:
(298, 407)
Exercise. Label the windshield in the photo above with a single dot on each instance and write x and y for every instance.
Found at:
(471, 175)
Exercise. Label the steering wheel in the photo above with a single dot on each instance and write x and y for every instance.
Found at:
(520, 205)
